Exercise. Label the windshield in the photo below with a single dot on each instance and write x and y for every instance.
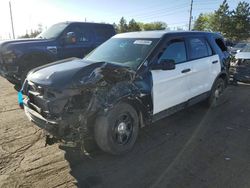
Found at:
(130, 52)
(246, 48)
(53, 32)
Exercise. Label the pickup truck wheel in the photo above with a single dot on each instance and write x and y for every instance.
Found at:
(116, 132)
(216, 92)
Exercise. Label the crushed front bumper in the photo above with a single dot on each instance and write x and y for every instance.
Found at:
(51, 127)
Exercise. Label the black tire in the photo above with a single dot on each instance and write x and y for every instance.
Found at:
(216, 92)
(116, 132)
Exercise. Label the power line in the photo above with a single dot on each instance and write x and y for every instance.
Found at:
(162, 10)
(156, 14)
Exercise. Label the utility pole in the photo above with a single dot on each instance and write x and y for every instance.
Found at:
(11, 18)
(190, 15)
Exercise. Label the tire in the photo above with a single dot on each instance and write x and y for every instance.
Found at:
(216, 92)
(116, 132)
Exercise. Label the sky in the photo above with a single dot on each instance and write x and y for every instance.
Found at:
(27, 14)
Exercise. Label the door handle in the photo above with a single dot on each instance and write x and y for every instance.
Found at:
(216, 61)
(185, 70)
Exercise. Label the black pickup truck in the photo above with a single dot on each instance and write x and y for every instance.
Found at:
(60, 41)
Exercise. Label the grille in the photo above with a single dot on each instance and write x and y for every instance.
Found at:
(36, 100)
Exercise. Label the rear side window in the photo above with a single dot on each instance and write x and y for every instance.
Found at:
(176, 51)
(103, 33)
(199, 48)
(221, 44)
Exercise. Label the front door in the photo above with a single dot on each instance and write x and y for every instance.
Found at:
(82, 46)
(170, 86)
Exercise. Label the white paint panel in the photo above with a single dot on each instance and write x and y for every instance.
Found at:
(169, 87)
(203, 74)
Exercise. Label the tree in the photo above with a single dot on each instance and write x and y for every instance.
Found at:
(221, 20)
(115, 27)
(234, 25)
(154, 26)
(122, 26)
(32, 34)
(133, 26)
(202, 23)
(241, 21)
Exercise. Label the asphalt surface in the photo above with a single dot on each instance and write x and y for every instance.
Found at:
(196, 147)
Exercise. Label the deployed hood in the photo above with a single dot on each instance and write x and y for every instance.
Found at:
(73, 71)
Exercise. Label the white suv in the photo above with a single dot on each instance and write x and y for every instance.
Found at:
(130, 81)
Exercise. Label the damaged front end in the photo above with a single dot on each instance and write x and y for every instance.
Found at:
(68, 114)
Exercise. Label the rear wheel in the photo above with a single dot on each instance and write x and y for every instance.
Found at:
(216, 92)
(116, 132)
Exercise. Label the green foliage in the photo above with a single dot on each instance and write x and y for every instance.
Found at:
(203, 22)
(154, 26)
(138, 26)
(221, 20)
(241, 21)
(234, 25)
(122, 26)
(133, 26)
(32, 34)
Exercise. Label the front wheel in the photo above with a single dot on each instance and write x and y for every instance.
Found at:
(117, 131)
(216, 92)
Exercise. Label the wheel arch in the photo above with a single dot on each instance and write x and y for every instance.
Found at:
(143, 113)
(223, 75)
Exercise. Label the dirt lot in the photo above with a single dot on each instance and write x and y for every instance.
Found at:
(193, 148)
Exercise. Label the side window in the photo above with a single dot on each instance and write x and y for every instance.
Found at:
(176, 51)
(210, 51)
(221, 44)
(198, 48)
(82, 34)
(102, 33)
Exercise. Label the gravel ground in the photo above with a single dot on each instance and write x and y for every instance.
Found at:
(196, 147)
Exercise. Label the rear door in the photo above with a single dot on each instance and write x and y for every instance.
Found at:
(103, 33)
(170, 86)
(204, 64)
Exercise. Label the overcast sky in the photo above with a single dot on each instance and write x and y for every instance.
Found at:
(27, 14)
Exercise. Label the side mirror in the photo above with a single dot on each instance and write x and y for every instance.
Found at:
(164, 64)
(70, 38)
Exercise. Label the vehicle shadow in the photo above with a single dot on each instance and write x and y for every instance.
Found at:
(156, 148)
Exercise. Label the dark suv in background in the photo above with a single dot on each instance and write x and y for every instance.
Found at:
(60, 41)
